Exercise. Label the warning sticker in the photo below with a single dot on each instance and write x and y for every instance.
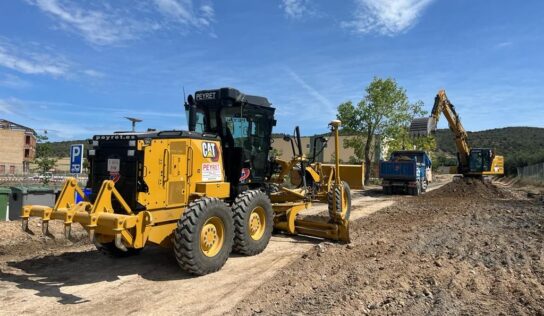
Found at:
(114, 165)
(211, 172)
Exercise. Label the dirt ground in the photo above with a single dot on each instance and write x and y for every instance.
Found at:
(458, 249)
(466, 249)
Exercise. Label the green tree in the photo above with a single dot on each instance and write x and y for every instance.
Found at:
(44, 157)
(384, 111)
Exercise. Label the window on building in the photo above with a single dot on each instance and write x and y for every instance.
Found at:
(2, 169)
(27, 139)
(27, 153)
(12, 170)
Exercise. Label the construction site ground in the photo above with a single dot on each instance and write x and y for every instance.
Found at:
(462, 248)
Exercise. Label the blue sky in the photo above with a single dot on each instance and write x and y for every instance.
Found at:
(76, 68)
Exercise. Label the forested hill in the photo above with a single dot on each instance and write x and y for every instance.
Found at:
(520, 145)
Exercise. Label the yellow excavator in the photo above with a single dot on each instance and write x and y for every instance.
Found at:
(472, 162)
(202, 192)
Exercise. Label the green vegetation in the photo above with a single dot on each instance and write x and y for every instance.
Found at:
(45, 159)
(520, 146)
(384, 110)
(61, 149)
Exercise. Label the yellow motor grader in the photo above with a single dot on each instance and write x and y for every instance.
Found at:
(203, 192)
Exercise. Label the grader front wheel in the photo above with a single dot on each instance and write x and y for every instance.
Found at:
(343, 201)
(204, 235)
(253, 221)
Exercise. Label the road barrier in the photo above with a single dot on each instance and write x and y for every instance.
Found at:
(535, 172)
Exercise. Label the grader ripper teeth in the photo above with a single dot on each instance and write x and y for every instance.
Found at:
(98, 218)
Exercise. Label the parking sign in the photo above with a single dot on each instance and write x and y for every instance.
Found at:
(76, 158)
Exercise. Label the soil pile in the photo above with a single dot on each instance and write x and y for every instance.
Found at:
(464, 249)
(15, 243)
(469, 188)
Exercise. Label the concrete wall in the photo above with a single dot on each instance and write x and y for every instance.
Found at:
(328, 152)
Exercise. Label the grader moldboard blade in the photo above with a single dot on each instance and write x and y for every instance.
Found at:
(288, 203)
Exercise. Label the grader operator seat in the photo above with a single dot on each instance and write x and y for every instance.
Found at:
(244, 124)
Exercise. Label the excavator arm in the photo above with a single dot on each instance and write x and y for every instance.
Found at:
(425, 126)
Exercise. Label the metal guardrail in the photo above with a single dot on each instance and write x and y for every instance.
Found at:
(535, 171)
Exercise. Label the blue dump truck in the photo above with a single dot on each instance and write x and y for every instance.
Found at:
(406, 171)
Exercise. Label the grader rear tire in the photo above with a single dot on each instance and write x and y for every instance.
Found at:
(347, 198)
(203, 237)
(253, 222)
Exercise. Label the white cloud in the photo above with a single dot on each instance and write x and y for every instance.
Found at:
(14, 82)
(6, 107)
(31, 63)
(503, 44)
(103, 24)
(97, 27)
(327, 105)
(386, 17)
(182, 11)
(294, 8)
(93, 73)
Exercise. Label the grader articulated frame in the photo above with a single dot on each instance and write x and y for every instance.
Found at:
(105, 224)
(201, 192)
(124, 230)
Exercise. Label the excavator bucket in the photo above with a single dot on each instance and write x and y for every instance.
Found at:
(423, 126)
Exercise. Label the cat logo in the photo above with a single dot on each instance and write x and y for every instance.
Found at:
(210, 150)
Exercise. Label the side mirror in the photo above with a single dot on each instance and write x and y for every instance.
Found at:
(190, 106)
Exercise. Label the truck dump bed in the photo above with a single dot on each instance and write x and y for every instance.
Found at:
(398, 170)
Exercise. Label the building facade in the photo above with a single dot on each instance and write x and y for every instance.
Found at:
(17, 148)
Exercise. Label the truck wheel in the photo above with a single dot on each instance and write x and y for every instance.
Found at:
(110, 250)
(387, 190)
(203, 236)
(253, 222)
(424, 186)
(347, 198)
(417, 190)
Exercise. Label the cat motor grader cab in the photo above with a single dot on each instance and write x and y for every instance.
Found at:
(202, 192)
(472, 162)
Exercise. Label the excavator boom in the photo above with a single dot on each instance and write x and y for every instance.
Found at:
(426, 126)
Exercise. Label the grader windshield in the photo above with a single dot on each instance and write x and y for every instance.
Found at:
(244, 124)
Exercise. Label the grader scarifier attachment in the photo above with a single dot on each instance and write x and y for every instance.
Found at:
(201, 192)
(99, 219)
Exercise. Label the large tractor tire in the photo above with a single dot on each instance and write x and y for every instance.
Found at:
(253, 222)
(203, 237)
(110, 250)
(347, 199)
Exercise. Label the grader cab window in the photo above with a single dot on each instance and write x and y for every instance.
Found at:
(248, 131)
